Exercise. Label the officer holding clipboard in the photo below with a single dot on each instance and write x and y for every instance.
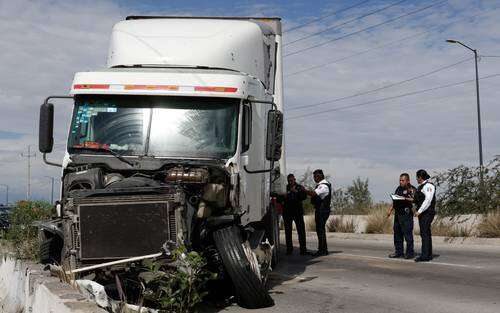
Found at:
(402, 203)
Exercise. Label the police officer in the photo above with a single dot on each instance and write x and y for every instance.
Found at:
(403, 218)
(294, 212)
(425, 199)
(321, 198)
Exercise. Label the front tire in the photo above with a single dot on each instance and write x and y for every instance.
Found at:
(250, 290)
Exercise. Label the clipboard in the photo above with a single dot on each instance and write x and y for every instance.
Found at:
(396, 197)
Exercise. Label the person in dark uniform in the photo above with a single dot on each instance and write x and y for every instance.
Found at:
(294, 212)
(321, 198)
(403, 218)
(425, 199)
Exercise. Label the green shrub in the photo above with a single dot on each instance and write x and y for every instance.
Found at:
(460, 191)
(22, 234)
(177, 290)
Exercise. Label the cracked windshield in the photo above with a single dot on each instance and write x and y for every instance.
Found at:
(155, 126)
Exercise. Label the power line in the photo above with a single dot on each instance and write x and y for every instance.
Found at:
(325, 16)
(383, 87)
(381, 46)
(357, 53)
(365, 29)
(390, 98)
(345, 23)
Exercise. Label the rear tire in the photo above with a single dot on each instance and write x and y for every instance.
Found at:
(275, 235)
(250, 290)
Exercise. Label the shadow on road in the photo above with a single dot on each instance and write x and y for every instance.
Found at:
(289, 271)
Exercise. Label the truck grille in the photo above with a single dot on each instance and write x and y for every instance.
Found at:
(125, 227)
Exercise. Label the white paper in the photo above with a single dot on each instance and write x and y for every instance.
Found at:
(396, 197)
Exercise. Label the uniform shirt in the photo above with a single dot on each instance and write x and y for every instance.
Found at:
(428, 190)
(322, 189)
(403, 205)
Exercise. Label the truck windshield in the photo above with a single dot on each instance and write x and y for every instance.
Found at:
(155, 126)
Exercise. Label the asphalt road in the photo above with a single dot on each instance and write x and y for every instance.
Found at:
(358, 277)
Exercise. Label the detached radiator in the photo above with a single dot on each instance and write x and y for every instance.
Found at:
(122, 227)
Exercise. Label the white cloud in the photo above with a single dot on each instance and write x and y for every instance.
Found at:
(44, 43)
(433, 130)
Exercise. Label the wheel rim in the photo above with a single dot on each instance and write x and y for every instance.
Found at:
(252, 259)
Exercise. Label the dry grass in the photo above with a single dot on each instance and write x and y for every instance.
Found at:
(340, 225)
(310, 222)
(441, 228)
(377, 221)
(447, 229)
(490, 225)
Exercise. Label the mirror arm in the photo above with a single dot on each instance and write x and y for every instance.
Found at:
(45, 154)
(57, 97)
(259, 171)
(49, 162)
(275, 107)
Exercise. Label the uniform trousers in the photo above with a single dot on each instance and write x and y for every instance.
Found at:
(424, 221)
(403, 231)
(298, 218)
(320, 218)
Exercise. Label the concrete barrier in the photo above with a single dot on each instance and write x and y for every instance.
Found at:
(25, 287)
(467, 221)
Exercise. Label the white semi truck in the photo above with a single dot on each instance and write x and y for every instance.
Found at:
(177, 142)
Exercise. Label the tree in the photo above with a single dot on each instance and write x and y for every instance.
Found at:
(359, 196)
(460, 191)
(341, 203)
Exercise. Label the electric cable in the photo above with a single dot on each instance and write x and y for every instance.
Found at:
(391, 98)
(383, 87)
(365, 29)
(325, 16)
(345, 23)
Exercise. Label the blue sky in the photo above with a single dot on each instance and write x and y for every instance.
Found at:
(45, 42)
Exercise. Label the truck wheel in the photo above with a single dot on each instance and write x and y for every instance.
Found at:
(241, 265)
(50, 250)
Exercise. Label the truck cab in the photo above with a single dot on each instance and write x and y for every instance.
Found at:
(177, 142)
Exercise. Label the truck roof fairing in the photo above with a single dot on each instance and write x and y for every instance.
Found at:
(242, 45)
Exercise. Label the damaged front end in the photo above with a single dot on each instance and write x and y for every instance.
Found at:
(107, 216)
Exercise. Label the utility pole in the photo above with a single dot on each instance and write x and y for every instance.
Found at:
(51, 189)
(28, 155)
(6, 194)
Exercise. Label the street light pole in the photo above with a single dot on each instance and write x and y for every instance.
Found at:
(480, 139)
(6, 194)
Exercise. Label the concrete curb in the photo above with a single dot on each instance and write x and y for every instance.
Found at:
(436, 239)
(25, 287)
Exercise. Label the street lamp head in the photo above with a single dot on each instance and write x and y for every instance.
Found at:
(451, 41)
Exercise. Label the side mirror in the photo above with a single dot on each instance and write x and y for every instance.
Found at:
(274, 140)
(46, 128)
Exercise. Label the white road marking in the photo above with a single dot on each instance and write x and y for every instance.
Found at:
(403, 260)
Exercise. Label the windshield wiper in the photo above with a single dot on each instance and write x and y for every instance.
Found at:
(105, 148)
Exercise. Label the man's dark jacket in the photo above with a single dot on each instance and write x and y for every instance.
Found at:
(293, 200)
